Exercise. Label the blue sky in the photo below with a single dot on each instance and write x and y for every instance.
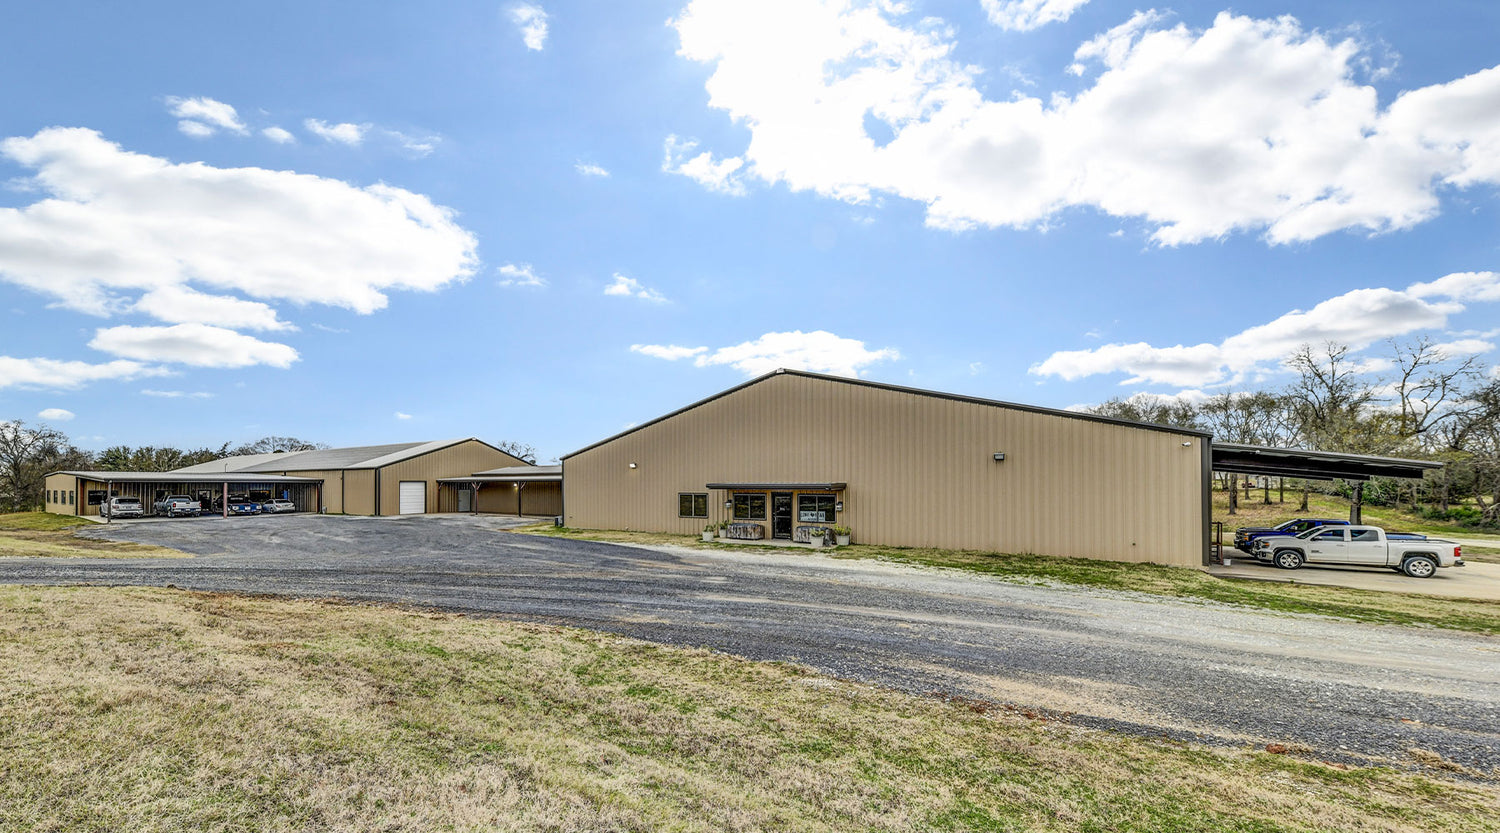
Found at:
(546, 221)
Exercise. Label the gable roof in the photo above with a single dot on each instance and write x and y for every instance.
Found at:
(354, 457)
(1037, 409)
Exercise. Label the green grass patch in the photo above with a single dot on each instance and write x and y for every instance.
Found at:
(40, 521)
(1476, 615)
(156, 710)
(44, 535)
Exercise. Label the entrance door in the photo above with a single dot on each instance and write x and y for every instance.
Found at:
(465, 500)
(781, 515)
(413, 497)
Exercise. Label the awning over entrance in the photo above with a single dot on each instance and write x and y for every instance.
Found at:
(1313, 465)
(779, 487)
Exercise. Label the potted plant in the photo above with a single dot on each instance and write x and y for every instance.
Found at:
(818, 536)
(708, 532)
(723, 527)
(841, 534)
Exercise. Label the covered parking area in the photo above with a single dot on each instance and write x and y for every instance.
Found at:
(1299, 463)
(511, 490)
(83, 492)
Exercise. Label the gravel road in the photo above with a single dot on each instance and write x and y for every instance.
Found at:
(1345, 691)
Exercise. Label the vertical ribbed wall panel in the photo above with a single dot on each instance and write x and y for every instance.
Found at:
(920, 471)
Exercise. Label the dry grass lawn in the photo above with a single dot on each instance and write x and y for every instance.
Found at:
(160, 710)
(43, 535)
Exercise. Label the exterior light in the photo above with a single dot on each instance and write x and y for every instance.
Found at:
(1187, 445)
(632, 465)
(728, 504)
(838, 506)
(999, 456)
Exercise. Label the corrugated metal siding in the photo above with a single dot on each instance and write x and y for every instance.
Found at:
(359, 492)
(333, 486)
(920, 472)
(454, 461)
(542, 499)
(62, 483)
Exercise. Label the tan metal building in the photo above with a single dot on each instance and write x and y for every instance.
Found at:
(397, 479)
(905, 467)
(83, 492)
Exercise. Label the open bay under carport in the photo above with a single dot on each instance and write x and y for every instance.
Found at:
(83, 492)
(511, 490)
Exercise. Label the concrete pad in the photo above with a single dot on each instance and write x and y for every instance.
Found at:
(1472, 581)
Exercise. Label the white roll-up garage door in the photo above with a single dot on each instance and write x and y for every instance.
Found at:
(413, 497)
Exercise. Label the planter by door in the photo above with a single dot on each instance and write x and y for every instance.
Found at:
(708, 535)
(843, 540)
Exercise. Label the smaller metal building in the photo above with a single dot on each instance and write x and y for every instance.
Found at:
(83, 492)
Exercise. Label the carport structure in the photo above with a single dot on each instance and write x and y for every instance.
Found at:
(510, 490)
(1315, 465)
(82, 492)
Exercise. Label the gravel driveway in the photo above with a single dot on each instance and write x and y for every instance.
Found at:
(1347, 691)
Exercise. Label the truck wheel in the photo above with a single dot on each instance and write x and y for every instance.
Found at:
(1419, 566)
(1287, 559)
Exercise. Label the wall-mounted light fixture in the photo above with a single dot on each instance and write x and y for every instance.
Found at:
(632, 465)
(729, 504)
(1187, 445)
(999, 456)
(838, 506)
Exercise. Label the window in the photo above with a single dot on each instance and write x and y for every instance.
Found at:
(72, 497)
(750, 507)
(1363, 535)
(1330, 535)
(816, 509)
(692, 505)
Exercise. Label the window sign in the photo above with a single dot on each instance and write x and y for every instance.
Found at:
(817, 509)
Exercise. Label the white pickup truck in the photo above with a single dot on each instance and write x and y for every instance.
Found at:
(1358, 546)
(174, 506)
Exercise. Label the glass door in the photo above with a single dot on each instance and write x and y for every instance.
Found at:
(781, 515)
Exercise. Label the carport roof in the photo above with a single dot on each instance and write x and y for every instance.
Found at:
(1314, 465)
(187, 477)
(511, 474)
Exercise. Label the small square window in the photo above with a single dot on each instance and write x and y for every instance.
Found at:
(692, 505)
(750, 507)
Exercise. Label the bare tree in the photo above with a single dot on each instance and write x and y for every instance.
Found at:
(1428, 384)
(275, 444)
(25, 455)
(519, 450)
(1145, 407)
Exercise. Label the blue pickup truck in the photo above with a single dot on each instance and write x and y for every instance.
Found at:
(1244, 537)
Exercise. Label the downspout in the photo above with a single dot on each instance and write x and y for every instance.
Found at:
(377, 493)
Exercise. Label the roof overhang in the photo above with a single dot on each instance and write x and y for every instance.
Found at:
(493, 478)
(185, 477)
(1313, 465)
(779, 487)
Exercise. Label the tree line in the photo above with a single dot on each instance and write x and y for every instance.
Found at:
(29, 452)
(1417, 402)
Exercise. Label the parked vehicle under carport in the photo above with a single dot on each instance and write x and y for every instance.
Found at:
(1359, 546)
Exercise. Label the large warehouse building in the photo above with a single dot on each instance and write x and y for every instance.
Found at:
(904, 467)
(397, 479)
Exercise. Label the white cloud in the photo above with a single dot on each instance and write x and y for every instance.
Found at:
(279, 135)
(1025, 15)
(531, 20)
(520, 275)
(1249, 125)
(1461, 286)
(670, 352)
(204, 116)
(419, 146)
(113, 224)
(590, 169)
(632, 288)
(723, 176)
(183, 305)
(402, 416)
(818, 351)
(55, 414)
(54, 374)
(1357, 318)
(344, 133)
(198, 345)
(1464, 347)
(177, 394)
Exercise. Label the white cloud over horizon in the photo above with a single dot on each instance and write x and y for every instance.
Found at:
(177, 394)
(520, 275)
(57, 374)
(203, 117)
(627, 287)
(55, 414)
(344, 133)
(531, 21)
(279, 135)
(1249, 125)
(1025, 15)
(1357, 318)
(819, 351)
(590, 169)
(196, 345)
